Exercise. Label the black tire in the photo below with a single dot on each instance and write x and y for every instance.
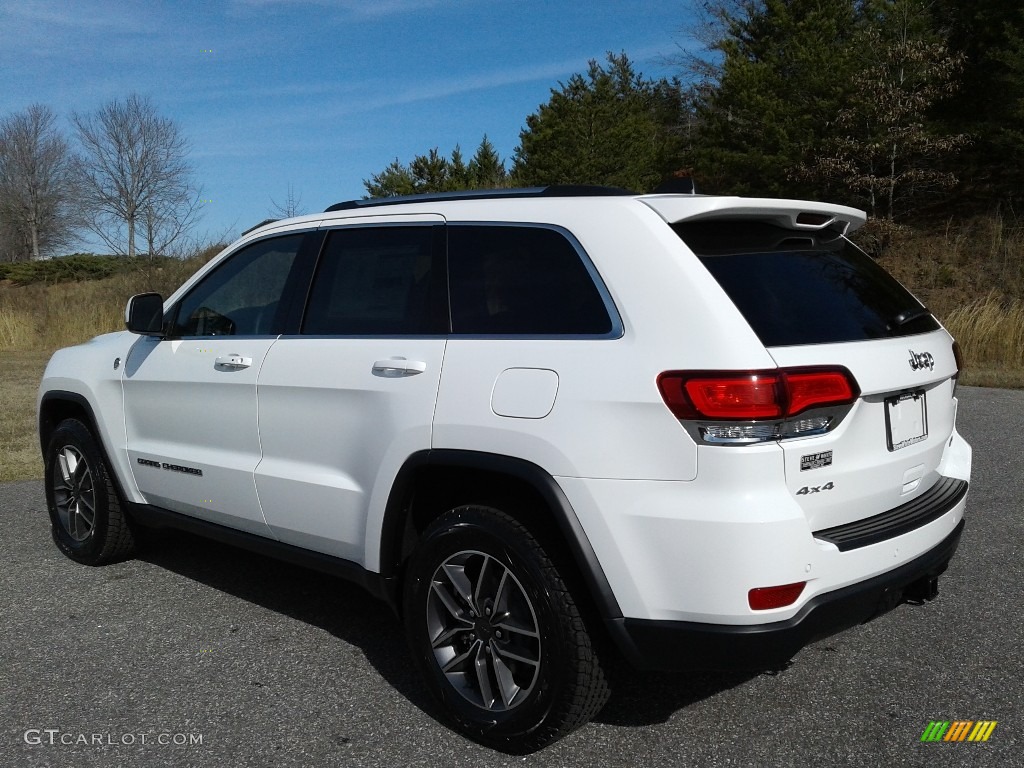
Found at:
(521, 666)
(86, 515)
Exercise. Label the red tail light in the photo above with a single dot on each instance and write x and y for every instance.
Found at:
(753, 395)
(749, 397)
(810, 390)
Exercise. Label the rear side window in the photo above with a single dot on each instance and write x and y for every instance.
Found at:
(378, 281)
(804, 288)
(511, 280)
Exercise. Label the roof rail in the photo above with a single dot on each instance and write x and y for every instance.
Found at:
(554, 190)
(261, 224)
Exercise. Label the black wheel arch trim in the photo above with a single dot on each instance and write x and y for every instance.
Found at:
(396, 529)
(47, 426)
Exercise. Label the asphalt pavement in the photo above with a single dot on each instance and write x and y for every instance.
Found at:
(200, 655)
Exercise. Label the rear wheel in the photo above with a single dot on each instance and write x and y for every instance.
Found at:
(87, 521)
(497, 634)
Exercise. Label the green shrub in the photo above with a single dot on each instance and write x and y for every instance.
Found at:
(78, 267)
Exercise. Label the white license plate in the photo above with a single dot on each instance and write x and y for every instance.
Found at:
(906, 420)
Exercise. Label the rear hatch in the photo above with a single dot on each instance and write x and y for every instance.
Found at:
(814, 299)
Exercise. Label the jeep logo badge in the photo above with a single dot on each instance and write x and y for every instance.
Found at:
(921, 360)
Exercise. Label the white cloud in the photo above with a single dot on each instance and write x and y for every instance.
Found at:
(359, 9)
(74, 15)
(551, 72)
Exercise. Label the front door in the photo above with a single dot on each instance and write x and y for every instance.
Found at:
(190, 398)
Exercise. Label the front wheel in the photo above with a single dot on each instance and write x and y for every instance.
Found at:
(497, 634)
(86, 518)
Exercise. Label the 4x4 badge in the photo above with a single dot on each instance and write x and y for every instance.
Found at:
(921, 360)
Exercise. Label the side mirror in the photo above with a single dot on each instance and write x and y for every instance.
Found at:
(145, 314)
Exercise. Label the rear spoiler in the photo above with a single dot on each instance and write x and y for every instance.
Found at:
(790, 214)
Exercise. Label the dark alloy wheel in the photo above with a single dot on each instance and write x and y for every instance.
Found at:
(88, 523)
(497, 634)
(483, 631)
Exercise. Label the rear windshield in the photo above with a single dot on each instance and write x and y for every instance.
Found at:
(804, 288)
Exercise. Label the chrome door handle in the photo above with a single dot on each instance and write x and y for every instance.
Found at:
(398, 366)
(233, 362)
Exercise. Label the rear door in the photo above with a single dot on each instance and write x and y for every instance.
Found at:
(343, 403)
(814, 299)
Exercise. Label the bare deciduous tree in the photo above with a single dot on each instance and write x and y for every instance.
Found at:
(167, 220)
(135, 176)
(292, 206)
(38, 199)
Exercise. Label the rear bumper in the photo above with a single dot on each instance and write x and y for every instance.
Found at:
(674, 645)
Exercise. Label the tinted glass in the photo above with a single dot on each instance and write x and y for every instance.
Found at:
(242, 296)
(520, 280)
(804, 288)
(377, 281)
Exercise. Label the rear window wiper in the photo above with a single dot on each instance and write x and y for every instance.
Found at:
(907, 316)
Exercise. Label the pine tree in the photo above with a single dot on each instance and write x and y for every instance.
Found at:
(433, 172)
(611, 126)
(394, 180)
(775, 74)
(989, 106)
(486, 169)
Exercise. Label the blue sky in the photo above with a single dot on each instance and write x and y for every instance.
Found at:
(319, 94)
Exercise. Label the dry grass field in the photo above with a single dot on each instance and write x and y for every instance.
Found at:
(20, 373)
(37, 319)
(970, 275)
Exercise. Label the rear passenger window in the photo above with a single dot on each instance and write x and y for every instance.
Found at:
(521, 280)
(377, 281)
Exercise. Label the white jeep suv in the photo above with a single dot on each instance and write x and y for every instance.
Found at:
(546, 425)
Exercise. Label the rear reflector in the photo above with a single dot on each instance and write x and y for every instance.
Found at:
(763, 598)
(752, 395)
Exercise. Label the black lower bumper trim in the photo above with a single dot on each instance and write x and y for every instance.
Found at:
(680, 645)
(930, 505)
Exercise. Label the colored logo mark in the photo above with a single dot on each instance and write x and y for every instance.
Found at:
(959, 730)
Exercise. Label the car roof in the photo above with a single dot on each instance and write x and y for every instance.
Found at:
(673, 208)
